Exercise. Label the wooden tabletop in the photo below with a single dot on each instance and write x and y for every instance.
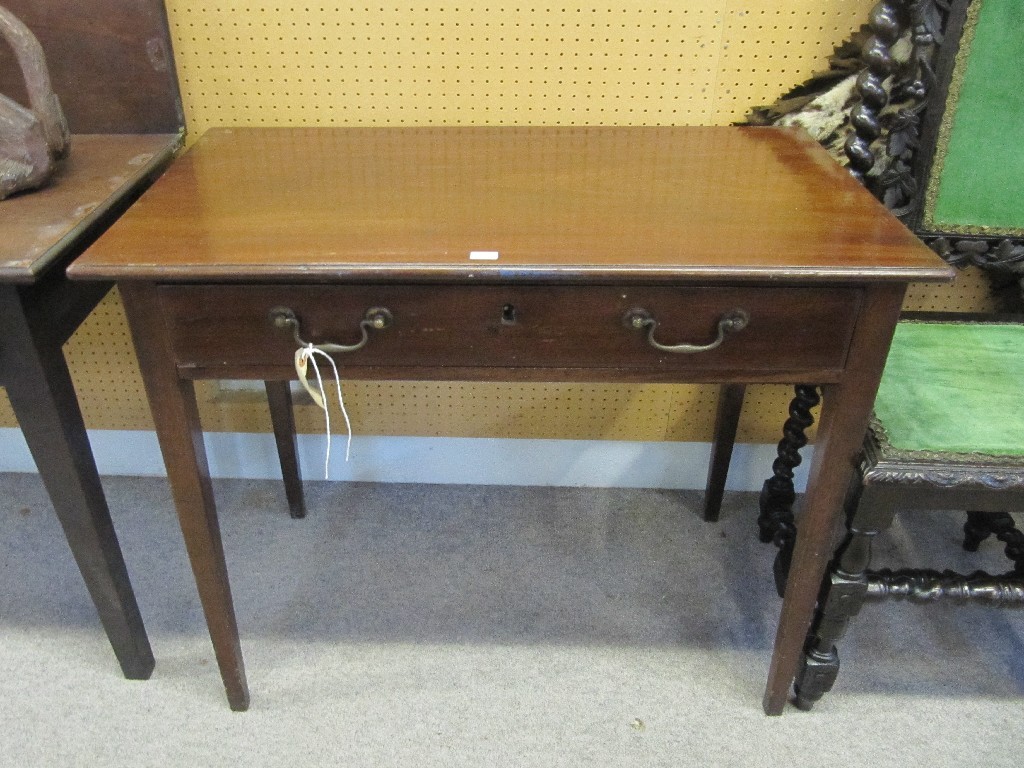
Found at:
(101, 172)
(645, 204)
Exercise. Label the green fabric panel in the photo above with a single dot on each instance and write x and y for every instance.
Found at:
(983, 167)
(954, 387)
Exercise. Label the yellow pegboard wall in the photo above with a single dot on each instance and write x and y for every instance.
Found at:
(629, 62)
(6, 412)
(638, 62)
(476, 409)
(769, 47)
(105, 371)
(279, 63)
(102, 360)
(971, 291)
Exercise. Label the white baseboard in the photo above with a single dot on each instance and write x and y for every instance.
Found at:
(470, 461)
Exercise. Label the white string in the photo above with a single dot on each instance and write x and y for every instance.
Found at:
(309, 353)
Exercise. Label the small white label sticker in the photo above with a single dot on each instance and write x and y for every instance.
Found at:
(483, 255)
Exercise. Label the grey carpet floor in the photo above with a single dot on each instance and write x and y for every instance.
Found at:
(471, 625)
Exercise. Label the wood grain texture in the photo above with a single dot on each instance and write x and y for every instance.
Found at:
(640, 204)
(95, 183)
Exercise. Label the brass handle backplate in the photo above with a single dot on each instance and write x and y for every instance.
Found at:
(376, 318)
(733, 321)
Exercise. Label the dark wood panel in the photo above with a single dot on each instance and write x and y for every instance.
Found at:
(539, 326)
(110, 62)
(549, 375)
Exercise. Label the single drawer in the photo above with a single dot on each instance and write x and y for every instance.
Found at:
(788, 329)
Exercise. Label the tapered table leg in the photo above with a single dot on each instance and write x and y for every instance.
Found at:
(727, 419)
(844, 419)
(176, 416)
(43, 397)
(279, 399)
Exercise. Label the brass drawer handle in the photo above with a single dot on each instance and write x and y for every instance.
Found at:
(376, 318)
(731, 322)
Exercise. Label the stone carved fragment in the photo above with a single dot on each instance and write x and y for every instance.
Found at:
(34, 138)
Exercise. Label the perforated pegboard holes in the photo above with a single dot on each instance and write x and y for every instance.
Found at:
(320, 63)
(301, 63)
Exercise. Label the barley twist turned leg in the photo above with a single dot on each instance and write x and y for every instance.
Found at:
(775, 521)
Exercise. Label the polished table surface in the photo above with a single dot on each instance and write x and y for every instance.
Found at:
(512, 254)
(637, 204)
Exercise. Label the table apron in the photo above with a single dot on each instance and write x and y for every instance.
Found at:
(508, 332)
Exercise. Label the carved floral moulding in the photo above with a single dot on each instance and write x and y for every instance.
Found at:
(999, 254)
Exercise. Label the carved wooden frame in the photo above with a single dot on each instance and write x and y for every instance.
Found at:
(936, 29)
(885, 464)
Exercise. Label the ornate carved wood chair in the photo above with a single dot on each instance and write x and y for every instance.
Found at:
(948, 431)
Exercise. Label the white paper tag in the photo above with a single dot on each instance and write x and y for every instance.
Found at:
(483, 255)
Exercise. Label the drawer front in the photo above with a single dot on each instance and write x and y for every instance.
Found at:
(532, 326)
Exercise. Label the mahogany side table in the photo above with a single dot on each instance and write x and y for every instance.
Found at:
(665, 254)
